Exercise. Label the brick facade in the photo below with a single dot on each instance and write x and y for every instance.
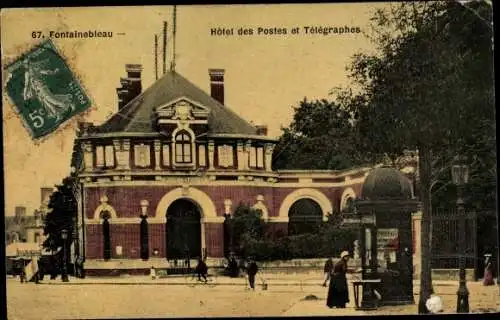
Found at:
(126, 201)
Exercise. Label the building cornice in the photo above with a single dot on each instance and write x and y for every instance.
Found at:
(241, 136)
(205, 182)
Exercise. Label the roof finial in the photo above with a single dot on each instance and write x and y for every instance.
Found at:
(172, 64)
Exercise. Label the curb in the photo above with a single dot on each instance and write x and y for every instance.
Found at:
(174, 284)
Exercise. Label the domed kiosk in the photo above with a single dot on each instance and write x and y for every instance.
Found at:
(384, 211)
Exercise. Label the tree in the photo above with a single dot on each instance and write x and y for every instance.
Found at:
(246, 223)
(321, 135)
(63, 210)
(430, 79)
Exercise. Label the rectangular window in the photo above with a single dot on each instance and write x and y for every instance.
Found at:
(178, 153)
(166, 155)
(142, 156)
(99, 156)
(187, 153)
(202, 156)
(109, 153)
(253, 157)
(260, 157)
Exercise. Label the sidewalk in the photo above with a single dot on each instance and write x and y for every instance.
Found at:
(272, 279)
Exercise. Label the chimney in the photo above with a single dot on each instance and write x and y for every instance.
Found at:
(131, 86)
(134, 78)
(217, 84)
(261, 129)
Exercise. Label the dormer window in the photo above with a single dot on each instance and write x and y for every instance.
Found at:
(183, 148)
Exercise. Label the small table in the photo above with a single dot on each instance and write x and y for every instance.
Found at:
(364, 284)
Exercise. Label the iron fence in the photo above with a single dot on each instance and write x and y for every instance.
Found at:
(446, 236)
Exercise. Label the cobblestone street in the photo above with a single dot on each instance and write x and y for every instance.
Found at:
(172, 297)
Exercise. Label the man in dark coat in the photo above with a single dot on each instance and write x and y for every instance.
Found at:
(252, 270)
(327, 270)
(201, 270)
(338, 292)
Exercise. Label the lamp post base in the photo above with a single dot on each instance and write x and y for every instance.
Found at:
(463, 300)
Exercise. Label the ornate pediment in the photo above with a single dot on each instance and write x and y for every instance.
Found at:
(183, 109)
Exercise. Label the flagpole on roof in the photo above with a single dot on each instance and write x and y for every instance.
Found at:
(172, 64)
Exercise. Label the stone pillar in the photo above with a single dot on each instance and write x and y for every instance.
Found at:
(416, 222)
(268, 156)
(246, 154)
(241, 156)
(126, 154)
(213, 236)
(120, 156)
(157, 146)
(211, 155)
(88, 156)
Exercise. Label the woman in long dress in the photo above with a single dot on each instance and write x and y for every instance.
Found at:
(338, 292)
(488, 273)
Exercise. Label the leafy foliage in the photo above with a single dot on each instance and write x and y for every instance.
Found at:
(63, 208)
(429, 87)
(322, 135)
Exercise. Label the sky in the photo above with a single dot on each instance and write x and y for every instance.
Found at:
(265, 75)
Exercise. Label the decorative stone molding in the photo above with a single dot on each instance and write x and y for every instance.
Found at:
(104, 206)
(348, 193)
(269, 156)
(306, 193)
(144, 207)
(212, 220)
(227, 206)
(157, 150)
(199, 197)
(88, 156)
(246, 154)
(259, 205)
(126, 154)
(211, 155)
(241, 155)
(278, 219)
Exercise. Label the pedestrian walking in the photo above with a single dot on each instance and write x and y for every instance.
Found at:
(201, 270)
(232, 266)
(338, 292)
(252, 270)
(152, 273)
(327, 270)
(488, 272)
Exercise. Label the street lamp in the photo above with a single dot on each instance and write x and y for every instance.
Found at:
(460, 177)
(64, 276)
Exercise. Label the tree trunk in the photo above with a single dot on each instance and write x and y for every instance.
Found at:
(425, 168)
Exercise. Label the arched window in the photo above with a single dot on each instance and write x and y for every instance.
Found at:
(105, 215)
(349, 205)
(183, 148)
(144, 238)
(305, 216)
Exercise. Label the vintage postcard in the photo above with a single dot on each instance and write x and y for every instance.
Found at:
(249, 160)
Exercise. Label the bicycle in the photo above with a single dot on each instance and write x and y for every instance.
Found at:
(193, 280)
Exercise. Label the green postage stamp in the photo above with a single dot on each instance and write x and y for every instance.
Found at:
(44, 90)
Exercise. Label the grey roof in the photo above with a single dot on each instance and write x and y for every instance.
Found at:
(137, 115)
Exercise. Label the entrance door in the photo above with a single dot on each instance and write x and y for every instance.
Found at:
(183, 236)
